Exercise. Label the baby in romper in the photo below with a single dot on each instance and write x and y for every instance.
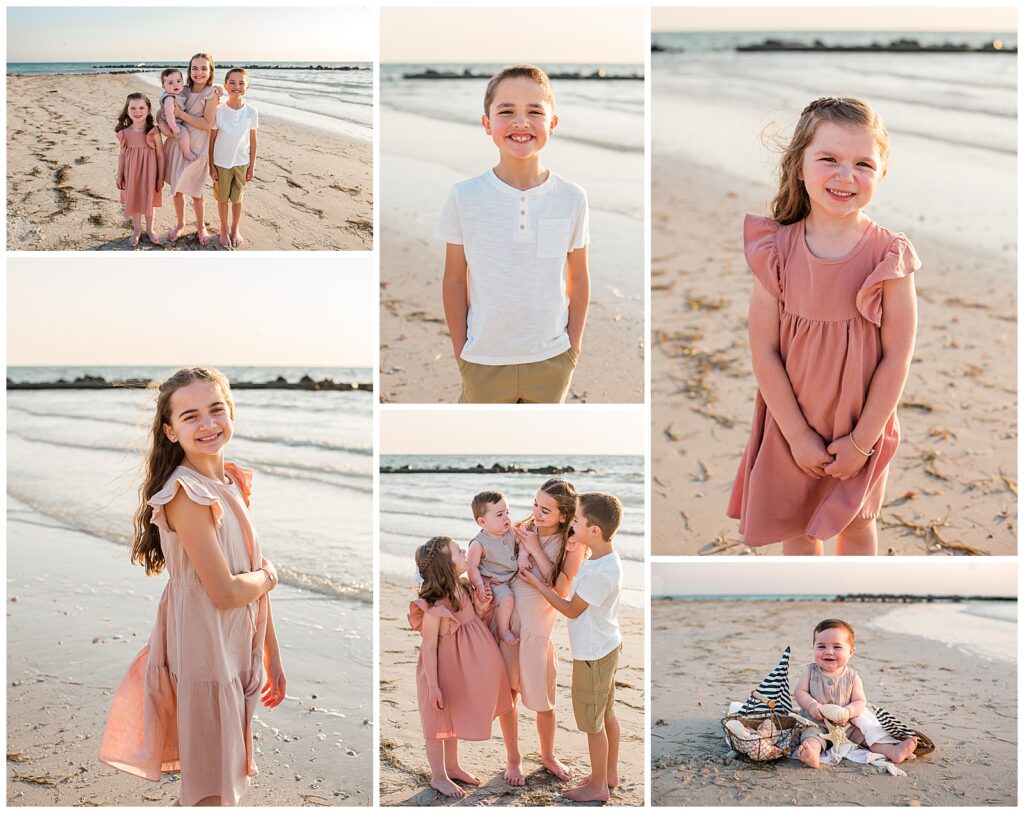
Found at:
(492, 553)
(174, 93)
(829, 681)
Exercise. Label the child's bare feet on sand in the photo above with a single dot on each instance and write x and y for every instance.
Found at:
(897, 753)
(586, 793)
(237, 240)
(173, 234)
(809, 753)
(136, 237)
(462, 776)
(204, 237)
(559, 770)
(613, 781)
(154, 238)
(448, 788)
(508, 638)
(224, 241)
(514, 775)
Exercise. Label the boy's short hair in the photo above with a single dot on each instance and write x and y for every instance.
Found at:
(170, 72)
(602, 510)
(513, 72)
(243, 71)
(484, 499)
(833, 624)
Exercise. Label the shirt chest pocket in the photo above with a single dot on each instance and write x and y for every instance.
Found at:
(552, 237)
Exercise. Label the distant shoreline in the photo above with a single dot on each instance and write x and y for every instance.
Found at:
(597, 75)
(884, 598)
(899, 46)
(95, 382)
(479, 468)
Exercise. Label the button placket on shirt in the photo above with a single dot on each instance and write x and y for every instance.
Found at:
(522, 214)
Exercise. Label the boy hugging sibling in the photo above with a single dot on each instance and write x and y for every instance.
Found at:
(492, 553)
(516, 283)
(595, 640)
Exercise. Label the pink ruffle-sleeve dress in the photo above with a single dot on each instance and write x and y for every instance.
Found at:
(188, 698)
(830, 317)
(189, 177)
(141, 192)
(470, 674)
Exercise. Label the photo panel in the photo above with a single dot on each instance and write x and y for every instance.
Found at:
(480, 479)
(826, 406)
(264, 592)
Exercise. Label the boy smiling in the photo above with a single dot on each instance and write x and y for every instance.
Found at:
(516, 282)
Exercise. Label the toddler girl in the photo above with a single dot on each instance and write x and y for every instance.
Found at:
(174, 86)
(830, 682)
(188, 699)
(461, 681)
(832, 323)
(140, 164)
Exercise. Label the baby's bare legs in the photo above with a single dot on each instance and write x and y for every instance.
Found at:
(809, 753)
(439, 779)
(451, 764)
(859, 538)
(185, 144)
(895, 753)
(169, 121)
(803, 546)
(504, 615)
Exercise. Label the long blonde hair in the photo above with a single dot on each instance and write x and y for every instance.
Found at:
(565, 496)
(791, 203)
(191, 86)
(434, 561)
(163, 458)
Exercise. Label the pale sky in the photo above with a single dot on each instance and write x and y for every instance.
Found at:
(241, 310)
(503, 35)
(589, 430)
(171, 33)
(944, 575)
(827, 18)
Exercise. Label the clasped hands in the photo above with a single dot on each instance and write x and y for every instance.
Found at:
(840, 459)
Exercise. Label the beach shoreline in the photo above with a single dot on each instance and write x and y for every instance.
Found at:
(952, 486)
(311, 191)
(77, 615)
(966, 705)
(404, 774)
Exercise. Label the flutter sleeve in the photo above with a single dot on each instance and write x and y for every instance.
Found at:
(243, 477)
(121, 138)
(420, 607)
(761, 249)
(196, 490)
(900, 260)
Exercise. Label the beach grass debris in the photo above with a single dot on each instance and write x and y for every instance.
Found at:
(698, 302)
(942, 433)
(720, 418)
(928, 460)
(17, 757)
(933, 539)
(720, 544)
(96, 219)
(83, 159)
(911, 403)
(1010, 482)
(702, 475)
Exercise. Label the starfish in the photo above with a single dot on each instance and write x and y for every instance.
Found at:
(836, 733)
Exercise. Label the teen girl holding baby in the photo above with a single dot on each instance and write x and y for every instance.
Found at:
(833, 318)
(186, 177)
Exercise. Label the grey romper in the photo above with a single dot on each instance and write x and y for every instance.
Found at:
(498, 562)
(825, 689)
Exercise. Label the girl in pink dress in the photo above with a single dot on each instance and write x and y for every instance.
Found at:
(833, 318)
(140, 164)
(187, 701)
(461, 683)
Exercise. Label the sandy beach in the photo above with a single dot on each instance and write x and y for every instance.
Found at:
(966, 704)
(423, 153)
(404, 775)
(75, 621)
(312, 190)
(953, 484)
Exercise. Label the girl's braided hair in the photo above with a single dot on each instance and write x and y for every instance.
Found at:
(434, 560)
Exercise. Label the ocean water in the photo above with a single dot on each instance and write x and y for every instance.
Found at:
(952, 119)
(340, 102)
(75, 456)
(415, 507)
(981, 629)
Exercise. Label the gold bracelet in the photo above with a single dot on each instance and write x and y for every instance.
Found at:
(855, 446)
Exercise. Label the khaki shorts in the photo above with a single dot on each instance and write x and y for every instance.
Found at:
(230, 184)
(593, 691)
(539, 382)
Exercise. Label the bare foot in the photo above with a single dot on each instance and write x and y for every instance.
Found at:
(897, 753)
(586, 793)
(135, 239)
(514, 775)
(190, 156)
(204, 237)
(173, 234)
(153, 238)
(809, 753)
(557, 768)
(462, 776)
(224, 241)
(508, 638)
(613, 781)
(237, 240)
(448, 788)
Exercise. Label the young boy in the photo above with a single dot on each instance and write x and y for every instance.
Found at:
(233, 154)
(595, 640)
(492, 553)
(516, 282)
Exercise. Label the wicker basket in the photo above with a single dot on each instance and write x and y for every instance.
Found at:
(781, 742)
